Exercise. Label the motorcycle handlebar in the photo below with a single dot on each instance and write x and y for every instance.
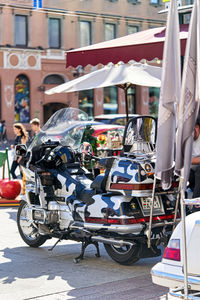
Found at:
(105, 162)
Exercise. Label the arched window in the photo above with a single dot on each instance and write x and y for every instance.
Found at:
(53, 79)
(51, 108)
(22, 99)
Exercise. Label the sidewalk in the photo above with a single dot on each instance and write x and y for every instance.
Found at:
(37, 273)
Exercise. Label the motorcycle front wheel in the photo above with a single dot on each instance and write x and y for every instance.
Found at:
(126, 255)
(27, 230)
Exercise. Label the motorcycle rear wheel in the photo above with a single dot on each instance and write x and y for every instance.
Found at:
(126, 255)
(26, 229)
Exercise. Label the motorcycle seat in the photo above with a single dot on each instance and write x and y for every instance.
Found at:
(99, 183)
(38, 170)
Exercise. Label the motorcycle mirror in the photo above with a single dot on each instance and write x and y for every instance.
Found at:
(86, 147)
(140, 135)
(21, 150)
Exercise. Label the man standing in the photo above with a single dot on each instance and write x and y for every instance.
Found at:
(35, 126)
(195, 164)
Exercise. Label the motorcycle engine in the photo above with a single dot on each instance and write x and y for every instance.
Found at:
(42, 216)
(55, 214)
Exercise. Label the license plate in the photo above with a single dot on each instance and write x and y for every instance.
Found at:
(146, 203)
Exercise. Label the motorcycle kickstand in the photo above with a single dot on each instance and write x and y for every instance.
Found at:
(83, 247)
(59, 240)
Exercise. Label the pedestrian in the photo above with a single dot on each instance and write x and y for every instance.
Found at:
(1, 131)
(35, 127)
(21, 137)
(4, 132)
(194, 178)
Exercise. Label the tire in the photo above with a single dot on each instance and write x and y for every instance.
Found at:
(26, 229)
(126, 255)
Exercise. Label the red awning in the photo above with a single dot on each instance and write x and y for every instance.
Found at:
(147, 44)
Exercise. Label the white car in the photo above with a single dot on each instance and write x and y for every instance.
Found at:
(169, 272)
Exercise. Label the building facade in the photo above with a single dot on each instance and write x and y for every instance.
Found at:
(33, 43)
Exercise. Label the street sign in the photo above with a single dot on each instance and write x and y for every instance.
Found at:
(37, 4)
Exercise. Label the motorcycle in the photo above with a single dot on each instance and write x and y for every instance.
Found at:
(64, 200)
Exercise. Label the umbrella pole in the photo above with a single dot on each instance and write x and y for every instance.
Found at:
(126, 102)
(184, 242)
(125, 87)
(151, 213)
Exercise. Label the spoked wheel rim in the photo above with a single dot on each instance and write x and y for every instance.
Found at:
(121, 250)
(28, 229)
(126, 254)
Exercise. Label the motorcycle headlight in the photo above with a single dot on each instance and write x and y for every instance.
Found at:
(147, 168)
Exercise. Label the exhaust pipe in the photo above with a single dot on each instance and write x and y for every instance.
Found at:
(119, 243)
(125, 229)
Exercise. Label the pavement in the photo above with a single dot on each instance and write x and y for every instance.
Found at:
(36, 273)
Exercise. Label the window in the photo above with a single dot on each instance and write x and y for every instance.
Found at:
(110, 31)
(134, 1)
(85, 33)
(132, 29)
(155, 2)
(186, 18)
(53, 79)
(110, 100)
(86, 102)
(131, 98)
(21, 30)
(1, 29)
(154, 101)
(54, 33)
(22, 99)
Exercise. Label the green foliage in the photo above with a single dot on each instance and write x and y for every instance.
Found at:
(3, 157)
(89, 137)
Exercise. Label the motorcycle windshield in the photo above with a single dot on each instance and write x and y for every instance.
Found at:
(64, 126)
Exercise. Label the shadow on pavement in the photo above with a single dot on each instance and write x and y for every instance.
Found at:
(55, 276)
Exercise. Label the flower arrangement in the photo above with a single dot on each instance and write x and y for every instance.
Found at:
(89, 137)
(101, 139)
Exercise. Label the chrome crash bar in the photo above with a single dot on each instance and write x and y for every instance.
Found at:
(151, 212)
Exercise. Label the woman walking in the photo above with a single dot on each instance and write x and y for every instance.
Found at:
(21, 138)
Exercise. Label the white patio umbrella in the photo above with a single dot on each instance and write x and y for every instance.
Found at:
(169, 99)
(188, 113)
(122, 75)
